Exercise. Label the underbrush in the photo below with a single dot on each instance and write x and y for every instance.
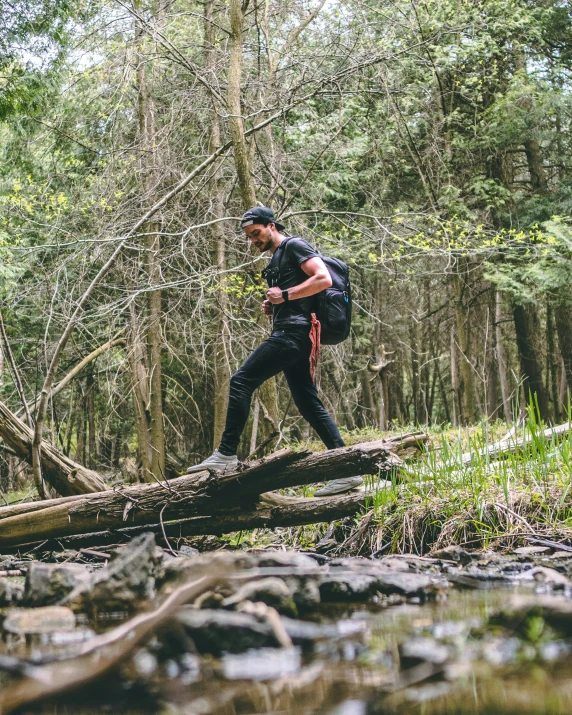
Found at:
(460, 492)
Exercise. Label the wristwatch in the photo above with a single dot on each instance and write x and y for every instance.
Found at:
(285, 295)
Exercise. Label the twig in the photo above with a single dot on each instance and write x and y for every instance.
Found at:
(516, 516)
(262, 444)
(98, 554)
(380, 551)
(163, 530)
(358, 532)
(261, 610)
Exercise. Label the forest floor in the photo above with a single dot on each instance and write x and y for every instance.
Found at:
(474, 615)
(445, 499)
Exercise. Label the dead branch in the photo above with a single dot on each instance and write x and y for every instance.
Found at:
(66, 476)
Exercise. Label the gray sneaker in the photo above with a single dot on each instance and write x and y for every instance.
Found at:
(339, 486)
(216, 461)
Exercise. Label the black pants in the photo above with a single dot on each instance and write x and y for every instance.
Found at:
(286, 351)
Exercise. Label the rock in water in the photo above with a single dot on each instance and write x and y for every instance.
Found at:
(128, 579)
(50, 619)
(531, 550)
(10, 593)
(271, 591)
(453, 553)
(220, 632)
(126, 582)
(422, 650)
(50, 583)
(349, 579)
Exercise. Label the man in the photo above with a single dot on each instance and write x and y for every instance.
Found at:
(296, 273)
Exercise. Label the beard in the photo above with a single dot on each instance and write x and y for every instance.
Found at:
(264, 245)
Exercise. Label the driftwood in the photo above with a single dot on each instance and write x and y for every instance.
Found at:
(510, 445)
(60, 472)
(211, 503)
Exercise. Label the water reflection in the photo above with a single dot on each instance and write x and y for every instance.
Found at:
(355, 677)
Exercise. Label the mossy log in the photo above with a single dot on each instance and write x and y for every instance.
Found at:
(219, 503)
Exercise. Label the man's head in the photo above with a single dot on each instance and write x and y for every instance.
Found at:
(261, 228)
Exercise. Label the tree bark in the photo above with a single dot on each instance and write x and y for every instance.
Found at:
(90, 406)
(268, 391)
(235, 121)
(154, 337)
(140, 387)
(272, 511)
(535, 166)
(221, 354)
(505, 391)
(415, 384)
(527, 327)
(563, 316)
(552, 363)
(466, 371)
(454, 378)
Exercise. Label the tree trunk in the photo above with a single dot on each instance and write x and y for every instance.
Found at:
(90, 406)
(268, 391)
(273, 510)
(466, 370)
(80, 444)
(454, 378)
(199, 494)
(235, 121)
(563, 316)
(221, 354)
(136, 356)
(535, 166)
(154, 338)
(505, 391)
(367, 397)
(527, 327)
(415, 385)
(552, 363)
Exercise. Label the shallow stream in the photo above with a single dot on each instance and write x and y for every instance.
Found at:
(493, 671)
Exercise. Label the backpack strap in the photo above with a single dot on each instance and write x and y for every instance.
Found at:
(285, 243)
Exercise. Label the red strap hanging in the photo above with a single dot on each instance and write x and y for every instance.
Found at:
(315, 329)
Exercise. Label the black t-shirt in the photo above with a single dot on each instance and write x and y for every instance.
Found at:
(284, 271)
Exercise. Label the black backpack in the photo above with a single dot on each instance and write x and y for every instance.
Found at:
(334, 304)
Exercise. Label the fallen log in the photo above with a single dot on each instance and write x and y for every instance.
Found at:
(273, 510)
(60, 472)
(511, 445)
(364, 458)
(225, 500)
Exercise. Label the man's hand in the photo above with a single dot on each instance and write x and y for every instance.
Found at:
(267, 307)
(274, 295)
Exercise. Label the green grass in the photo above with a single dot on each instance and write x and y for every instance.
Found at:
(442, 500)
(438, 500)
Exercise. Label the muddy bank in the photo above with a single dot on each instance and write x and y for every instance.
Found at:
(140, 629)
